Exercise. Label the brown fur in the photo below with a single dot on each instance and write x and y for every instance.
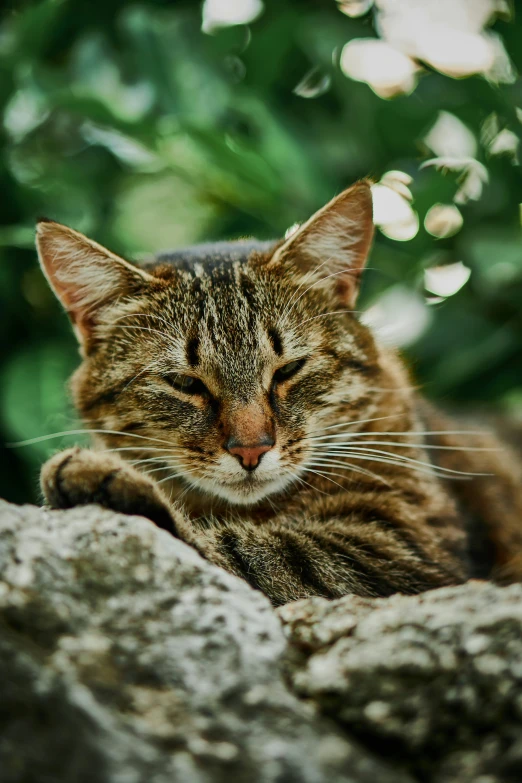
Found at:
(312, 518)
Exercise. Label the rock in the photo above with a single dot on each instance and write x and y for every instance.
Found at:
(126, 658)
(431, 682)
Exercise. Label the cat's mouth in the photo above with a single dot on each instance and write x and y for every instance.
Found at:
(227, 480)
(246, 490)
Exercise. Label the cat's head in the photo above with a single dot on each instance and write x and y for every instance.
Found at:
(223, 365)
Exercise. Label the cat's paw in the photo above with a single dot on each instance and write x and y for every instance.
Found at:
(77, 477)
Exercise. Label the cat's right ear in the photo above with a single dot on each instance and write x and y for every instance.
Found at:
(331, 248)
(86, 277)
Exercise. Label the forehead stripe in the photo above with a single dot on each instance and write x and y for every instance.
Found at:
(193, 351)
(275, 339)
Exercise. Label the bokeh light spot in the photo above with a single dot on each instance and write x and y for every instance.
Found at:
(443, 220)
(446, 280)
(226, 13)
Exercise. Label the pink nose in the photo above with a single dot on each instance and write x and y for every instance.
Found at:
(249, 456)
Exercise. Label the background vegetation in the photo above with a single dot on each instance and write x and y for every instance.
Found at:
(127, 121)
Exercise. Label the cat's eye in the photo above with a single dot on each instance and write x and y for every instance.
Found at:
(288, 370)
(186, 383)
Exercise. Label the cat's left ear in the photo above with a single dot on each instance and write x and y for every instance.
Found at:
(332, 247)
(87, 278)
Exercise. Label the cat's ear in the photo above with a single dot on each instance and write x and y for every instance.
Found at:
(332, 247)
(86, 277)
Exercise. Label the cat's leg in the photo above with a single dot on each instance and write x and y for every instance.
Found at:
(288, 559)
(285, 558)
(77, 477)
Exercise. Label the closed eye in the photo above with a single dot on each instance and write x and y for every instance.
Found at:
(288, 370)
(186, 384)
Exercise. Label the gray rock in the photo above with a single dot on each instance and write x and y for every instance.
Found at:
(434, 682)
(126, 658)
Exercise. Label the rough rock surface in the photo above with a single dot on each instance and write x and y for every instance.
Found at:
(126, 658)
(432, 682)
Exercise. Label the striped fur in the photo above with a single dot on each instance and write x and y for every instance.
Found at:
(353, 496)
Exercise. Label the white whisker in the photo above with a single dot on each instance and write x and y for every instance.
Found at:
(145, 329)
(155, 470)
(301, 479)
(323, 315)
(353, 423)
(353, 442)
(411, 433)
(325, 475)
(184, 472)
(156, 317)
(168, 478)
(140, 373)
(291, 298)
(42, 438)
(347, 466)
(430, 470)
(138, 448)
(399, 459)
(317, 282)
(145, 461)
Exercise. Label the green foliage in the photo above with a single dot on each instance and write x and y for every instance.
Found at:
(130, 124)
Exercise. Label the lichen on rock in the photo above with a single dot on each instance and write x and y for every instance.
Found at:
(125, 657)
(433, 681)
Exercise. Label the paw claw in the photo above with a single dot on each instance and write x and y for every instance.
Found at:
(77, 477)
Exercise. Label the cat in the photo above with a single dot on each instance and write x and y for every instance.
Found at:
(236, 399)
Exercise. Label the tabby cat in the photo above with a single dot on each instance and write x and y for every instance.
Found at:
(236, 399)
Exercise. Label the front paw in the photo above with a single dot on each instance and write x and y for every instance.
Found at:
(77, 477)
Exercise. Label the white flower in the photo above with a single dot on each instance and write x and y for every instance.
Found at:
(446, 280)
(472, 177)
(446, 34)
(392, 211)
(354, 8)
(443, 220)
(449, 137)
(386, 70)
(225, 13)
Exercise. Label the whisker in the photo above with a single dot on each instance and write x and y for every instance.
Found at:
(168, 478)
(156, 317)
(333, 312)
(140, 373)
(143, 448)
(291, 298)
(155, 470)
(325, 475)
(145, 329)
(351, 442)
(359, 452)
(410, 433)
(402, 389)
(348, 466)
(429, 470)
(145, 461)
(291, 304)
(325, 456)
(184, 472)
(180, 497)
(317, 282)
(42, 438)
(301, 479)
(353, 423)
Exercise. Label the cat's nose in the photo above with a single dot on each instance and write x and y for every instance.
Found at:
(249, 455)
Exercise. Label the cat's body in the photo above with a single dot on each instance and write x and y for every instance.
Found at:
(283, 443)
